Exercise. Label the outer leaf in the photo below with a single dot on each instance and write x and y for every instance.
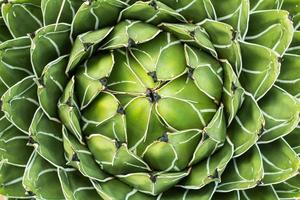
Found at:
(20, 103)
(11, 181)
(274, 24)
(237, 175)
(38, 174)
(279, 165)
(281, 112)
(13, 13)
(55, 11)
(46, 137)
(75, 186)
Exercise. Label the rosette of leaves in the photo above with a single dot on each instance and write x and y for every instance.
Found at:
(161, 99)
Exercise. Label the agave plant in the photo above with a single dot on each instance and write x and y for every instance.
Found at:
(146, 100)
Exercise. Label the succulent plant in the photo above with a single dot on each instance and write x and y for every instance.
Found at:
(150, 100)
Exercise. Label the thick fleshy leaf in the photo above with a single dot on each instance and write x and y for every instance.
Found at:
(68, 110)
(93, 15)
(209, 170)
(51, 85)
(153, 183)
(107, 191)
(187, 9)
(235, 13)
(224, 39)
(181, 100)
(279, 165)
(11, 181)
(205, 70)
(79, 157)
(4, 32)
(20, 103)
(127, 33)
(114, 157)
(38, 174)
(153, 13)
(14, 12)
(12, 141)
(75, 186)
(204, 193)
(281, 112)
(292, 139)
(259, 74)
(84, 45)
(243, 172)
(14, 61)
(48, 44)
(289, 78)
(91, 78)
(261, 192)
(154, 56)
(289, 189)
(246, 126)
(192, 35)
(275, 24)
(55, 11)
(233, 93)
(46, 137)
(234, 195)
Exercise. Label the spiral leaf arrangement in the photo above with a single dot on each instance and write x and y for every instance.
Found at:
(150, 100)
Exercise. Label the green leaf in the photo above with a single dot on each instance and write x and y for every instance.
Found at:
(233, 93)
(289, 77)
(192, 35)
(20, 103)
(234, 195)
(153, 183)
(15, 13)
(204, 9)
(15, 61)
(151, 13)
(289, 189)
(56, 11)
(279, 165)
(208, 170)
(48, 44)
(11, 181)
(292, 139)
(12, 141)
(114, 156)
(281, 112)
(38, 174)
(272, 29)
(75, 186)
(233, 12)
(294, 46)
(84, 45)
(259, 193)
(224, 39)
(154, 56)
(46, 136)
(204, 193)
(51, 85)
(205, 70)
(95, 15)
(107, 191)
(127, 32)
(243, 172)
(246, 127)
(4, 32)
(68, 110)
(79, 157)
(258, 75)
